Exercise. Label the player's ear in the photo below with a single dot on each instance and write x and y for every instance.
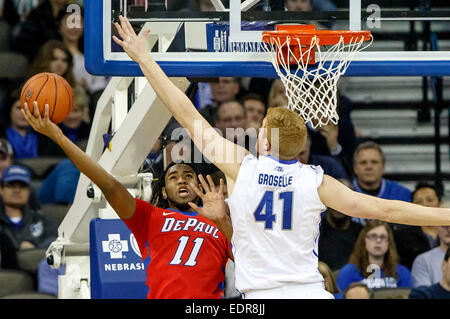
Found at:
(164, 193)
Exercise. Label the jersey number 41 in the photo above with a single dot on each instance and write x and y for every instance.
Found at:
(264, 211)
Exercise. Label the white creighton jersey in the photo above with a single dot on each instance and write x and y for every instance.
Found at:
(275, 211)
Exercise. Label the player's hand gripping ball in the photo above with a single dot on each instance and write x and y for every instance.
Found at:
(51, 89)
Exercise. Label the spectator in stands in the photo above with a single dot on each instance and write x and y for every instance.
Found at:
(374, 260)
(74, 126)
(358, 290)
(338, 140)
(369, 165)
(54, 57)
(231, 117)
(14, 11)
(72, 36)
(426, 269)
(312, 5)
(277, 94)
(6, 155)
(18, 132)
(60, 186)
(40, 26)
(329, 281)
(440, 290)
(338, 235)
(412, 241)
(223, 90)
(255, 109)
(330, 165)
(27, 228)
(7, 159)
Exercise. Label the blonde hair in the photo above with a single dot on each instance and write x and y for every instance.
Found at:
(292, 131)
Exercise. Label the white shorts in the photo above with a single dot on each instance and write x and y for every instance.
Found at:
(291, 291)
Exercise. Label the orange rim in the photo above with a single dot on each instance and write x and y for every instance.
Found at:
(305, 33)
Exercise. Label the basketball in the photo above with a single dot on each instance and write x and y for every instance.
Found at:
(51, 89)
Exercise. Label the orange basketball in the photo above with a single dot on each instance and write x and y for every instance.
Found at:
(51, 89)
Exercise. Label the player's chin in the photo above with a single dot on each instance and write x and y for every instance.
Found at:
(183, 201)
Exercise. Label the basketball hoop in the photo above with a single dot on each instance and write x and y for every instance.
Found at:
(309, 62)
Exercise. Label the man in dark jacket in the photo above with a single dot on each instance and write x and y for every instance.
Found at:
(25, 227)
(440, 290)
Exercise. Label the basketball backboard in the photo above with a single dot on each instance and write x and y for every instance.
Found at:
(409, 39)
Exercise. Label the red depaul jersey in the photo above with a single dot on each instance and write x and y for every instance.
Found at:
(184, 253)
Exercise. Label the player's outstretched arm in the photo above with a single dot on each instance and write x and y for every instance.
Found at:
(339, 197)
(117, 196)
(200, 131)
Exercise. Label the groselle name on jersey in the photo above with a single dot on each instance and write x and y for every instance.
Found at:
(274, 180)
(192, 224)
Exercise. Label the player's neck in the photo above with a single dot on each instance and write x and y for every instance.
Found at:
(278, 156)
(182, 208)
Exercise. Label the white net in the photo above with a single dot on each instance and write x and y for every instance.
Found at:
(312, 90)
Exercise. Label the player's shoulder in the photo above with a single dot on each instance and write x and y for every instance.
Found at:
(250, 158)
(142, 205)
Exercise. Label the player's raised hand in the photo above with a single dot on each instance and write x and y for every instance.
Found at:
(40, 124)
(214, 207)
(135, 46)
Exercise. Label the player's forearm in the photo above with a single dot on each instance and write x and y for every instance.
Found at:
(224, 224)
(401, 212)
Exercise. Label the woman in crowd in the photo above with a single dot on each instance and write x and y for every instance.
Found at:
(374, 260)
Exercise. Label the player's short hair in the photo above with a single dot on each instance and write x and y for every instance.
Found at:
(292, 131)
(423, 184)
(369, 145)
